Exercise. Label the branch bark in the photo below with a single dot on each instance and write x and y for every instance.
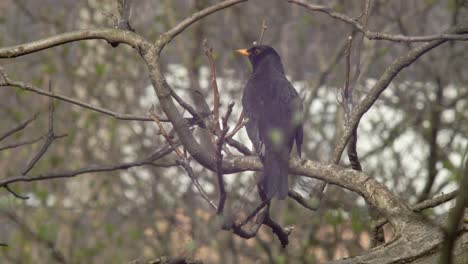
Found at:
(110, 35)
(377, 35)
(392, 70)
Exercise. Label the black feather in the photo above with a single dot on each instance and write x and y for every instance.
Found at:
(274, 110)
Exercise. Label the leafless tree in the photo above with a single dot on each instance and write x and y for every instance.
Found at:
(189, 135)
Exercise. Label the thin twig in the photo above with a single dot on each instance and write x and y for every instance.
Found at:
(165, 135)
(387, 76)
(173, 32)
(197, 117)
(298, 198)
(252, 214)
(348, 103)
(214, 84)
(219, 159)
(15, 194)
(357, 68)
(346, 94)
(219, 174)
(23, 143)
(377, 35)
(50, 137)
(20, 127)
(31, 88)
(92, 169)
(239, 124)
(262, 32)
(185, 164)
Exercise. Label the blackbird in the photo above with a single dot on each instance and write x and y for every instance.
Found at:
(274, 111)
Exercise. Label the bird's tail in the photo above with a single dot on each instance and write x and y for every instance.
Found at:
(275, 175)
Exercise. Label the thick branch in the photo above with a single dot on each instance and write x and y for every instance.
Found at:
(376, 194)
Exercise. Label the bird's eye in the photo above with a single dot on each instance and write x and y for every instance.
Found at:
(257, 52)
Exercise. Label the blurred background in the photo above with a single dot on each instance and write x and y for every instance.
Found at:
(412, 140)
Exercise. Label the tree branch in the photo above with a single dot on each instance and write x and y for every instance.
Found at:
(454, 218)
(32, 88)
(111, 35)
(214, 84)
(165, 38)
(383, 82)
(429, 203)
(20, 127)
(376, 35)
(104, 168)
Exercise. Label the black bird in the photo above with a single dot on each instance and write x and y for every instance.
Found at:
(274, 110)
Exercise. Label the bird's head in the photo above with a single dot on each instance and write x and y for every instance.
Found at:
(261, 53)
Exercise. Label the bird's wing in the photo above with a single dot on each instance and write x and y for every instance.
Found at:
(274, 110)
(251, 108)
(281, 114)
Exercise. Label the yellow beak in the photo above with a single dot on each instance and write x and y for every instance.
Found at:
(243, 52)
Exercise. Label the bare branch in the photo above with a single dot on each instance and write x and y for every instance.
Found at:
(20, 127)
(169, 35)
(32, 88)
(23, 143)
(281, 233)
(214, 83)
(239, 146)
(346, 94)
(262, 32)
(252, 215)
(124, 8)
(348, 103)
(380, 86)
(111, 35)
(454, 218)
(50, 137)
(429, 203)
(166, 136)
(185, 164)
(219, 159)
(197, 117)
(104, 168)
(15, 194)
(378, 35)
(239, 124)
(299, 199)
